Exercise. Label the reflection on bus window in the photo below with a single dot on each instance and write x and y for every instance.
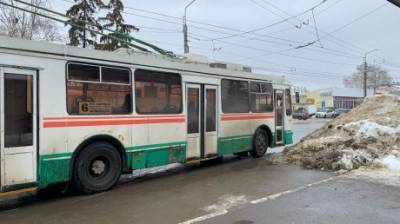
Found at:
(18, 108)
(261, 97)
(211, 110)
(158, 92)
(86, 95)
(235, 96)
(193, 110)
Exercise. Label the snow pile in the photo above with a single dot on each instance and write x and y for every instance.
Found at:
(368, 136)
(385, 171)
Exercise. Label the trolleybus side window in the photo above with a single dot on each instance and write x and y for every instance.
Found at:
(100, 90)
(261, 95)
(158, 92)
(235, 96)
(288, 102)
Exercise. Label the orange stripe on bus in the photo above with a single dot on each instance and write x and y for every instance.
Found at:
(246, 117)
(83, 123)
(110, 117)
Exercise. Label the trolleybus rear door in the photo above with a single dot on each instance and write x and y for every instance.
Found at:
(202, 120)
(279, 116)
(193, 110)
(18, 127)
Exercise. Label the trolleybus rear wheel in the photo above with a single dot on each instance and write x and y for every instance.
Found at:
(97, 168)
(260, 143)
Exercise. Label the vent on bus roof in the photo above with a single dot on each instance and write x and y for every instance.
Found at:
(218, 65)
(234, 67)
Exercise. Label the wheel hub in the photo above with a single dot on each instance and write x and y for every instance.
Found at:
(98, 167)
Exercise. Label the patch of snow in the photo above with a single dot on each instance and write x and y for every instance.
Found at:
(392, 163)
(352, 159)
(386, 170)
(226, 202)
(381, 176)
(369, 128)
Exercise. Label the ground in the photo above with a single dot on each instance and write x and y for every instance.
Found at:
(236, 191)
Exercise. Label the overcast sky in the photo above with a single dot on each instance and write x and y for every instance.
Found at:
(347, 29)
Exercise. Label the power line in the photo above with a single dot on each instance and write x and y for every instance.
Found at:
(270, 25)
(72, 23)
(286, 55)
(207, 24)
(290, 42)
(329, 7)
(356, 19)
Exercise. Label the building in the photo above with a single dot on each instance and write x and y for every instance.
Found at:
(299, 97)
(338, 97)
(388, 90)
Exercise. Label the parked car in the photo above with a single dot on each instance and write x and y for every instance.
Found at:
(327, 112)
(340, 111)
(301, 114)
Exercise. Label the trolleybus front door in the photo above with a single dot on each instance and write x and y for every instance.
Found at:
(18, 127)
(279, 117)
(201, 121)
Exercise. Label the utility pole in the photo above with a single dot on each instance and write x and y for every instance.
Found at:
(365, 78)
(185, 30)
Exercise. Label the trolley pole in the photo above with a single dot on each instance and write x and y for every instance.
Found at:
(185, 30)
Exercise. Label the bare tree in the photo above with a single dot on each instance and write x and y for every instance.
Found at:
(17, 23)
(377, 76)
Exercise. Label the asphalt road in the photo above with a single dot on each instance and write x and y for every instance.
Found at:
(235, 191)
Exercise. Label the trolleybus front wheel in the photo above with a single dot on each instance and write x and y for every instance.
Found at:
(97, 168)
(260, 143)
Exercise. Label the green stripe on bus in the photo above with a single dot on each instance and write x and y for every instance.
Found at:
(54, 168)
(146, 156)
(233, 144)
(154, 146)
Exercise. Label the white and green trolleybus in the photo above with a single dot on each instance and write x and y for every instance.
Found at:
(81, 116)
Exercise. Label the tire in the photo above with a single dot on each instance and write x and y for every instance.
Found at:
(97, 168)
(260, 143)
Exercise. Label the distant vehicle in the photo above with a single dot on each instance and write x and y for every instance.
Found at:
(327, 112)
(301, 114)
(340, 111)
(311, 109)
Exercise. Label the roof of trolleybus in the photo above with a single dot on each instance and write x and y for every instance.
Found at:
(140, 59)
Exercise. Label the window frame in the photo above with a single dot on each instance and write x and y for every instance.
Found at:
(163, 72)
(99, 82)
(248, 96)
(272, 96)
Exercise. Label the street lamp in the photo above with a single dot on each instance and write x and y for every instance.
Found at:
(366, 70)
(185, 29)
(395, 2)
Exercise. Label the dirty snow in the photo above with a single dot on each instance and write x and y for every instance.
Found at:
(369, 128)
(367, 139)
(226, 202)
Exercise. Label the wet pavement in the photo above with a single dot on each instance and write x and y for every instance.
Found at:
(237, 191)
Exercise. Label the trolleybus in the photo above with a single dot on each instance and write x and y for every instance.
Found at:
(81, 116)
